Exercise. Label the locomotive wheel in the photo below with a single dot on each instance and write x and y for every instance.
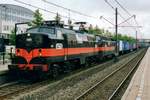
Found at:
(13, 74)
(41, 75)
(75, 64)
(67, 67)
(55, 70)
(87, 62)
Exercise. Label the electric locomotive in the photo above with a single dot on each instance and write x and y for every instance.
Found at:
(51, 48)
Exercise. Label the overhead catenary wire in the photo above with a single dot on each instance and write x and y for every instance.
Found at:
(126, 11)
(136, 28)
(129, 15)
(119, 14)
(109, 4)
(114, 8)
(123, 8)
(101, 17)
(68, 9)
(126, 20)
(42, 9)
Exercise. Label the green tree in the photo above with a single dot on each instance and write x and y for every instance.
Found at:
(12, 37)
(124, 38)
(38, 19)
(120, 37)
(107, 33)
(97, 30)
(103, 31)
(90, 29)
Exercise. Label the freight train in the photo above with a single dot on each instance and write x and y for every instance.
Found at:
(51, 49)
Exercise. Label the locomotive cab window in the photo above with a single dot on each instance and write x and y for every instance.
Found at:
(59, 34)
(98, 38)
(41, 30)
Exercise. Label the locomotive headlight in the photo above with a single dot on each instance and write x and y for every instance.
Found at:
(40, 52)
(28, 39)
(28, 34)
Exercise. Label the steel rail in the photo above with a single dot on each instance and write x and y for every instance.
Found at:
(112, 73)
(116, 90)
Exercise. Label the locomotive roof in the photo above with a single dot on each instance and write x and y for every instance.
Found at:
(60, 26)
(69, 31)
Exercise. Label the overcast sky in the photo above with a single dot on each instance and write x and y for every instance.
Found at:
(97, 8)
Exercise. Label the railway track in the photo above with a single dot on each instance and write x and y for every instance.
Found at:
(74, 85)
(14, 89)
(9, 90)
(107, 88)
(8, 84)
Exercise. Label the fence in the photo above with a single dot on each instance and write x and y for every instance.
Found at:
(5, 57)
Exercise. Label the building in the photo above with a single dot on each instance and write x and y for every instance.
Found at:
(11, 14)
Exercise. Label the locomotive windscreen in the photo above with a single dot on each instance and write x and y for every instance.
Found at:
(30, 41)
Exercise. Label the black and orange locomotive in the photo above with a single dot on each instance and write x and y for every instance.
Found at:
(51, 48)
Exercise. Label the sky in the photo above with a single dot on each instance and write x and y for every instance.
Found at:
(97, 8)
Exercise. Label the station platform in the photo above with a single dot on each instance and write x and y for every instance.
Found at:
(4, 67)
(139, 87)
